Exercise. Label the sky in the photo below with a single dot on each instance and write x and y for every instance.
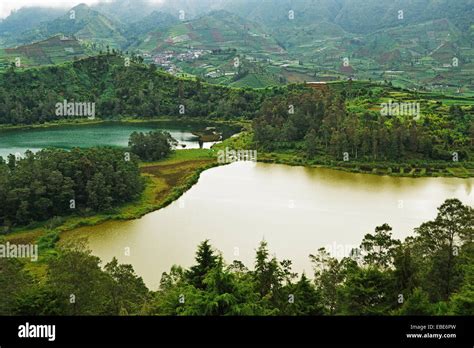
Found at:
(6, 6)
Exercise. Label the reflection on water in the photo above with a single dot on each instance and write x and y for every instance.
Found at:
(102, 134)
(296, 210)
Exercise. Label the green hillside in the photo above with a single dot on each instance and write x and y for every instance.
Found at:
(364, 16)
(154, 22)
(29, 96)
(25, 19)
(55, 50)
(82, 22)
(217, 30)
(343, 115)
(428, 46)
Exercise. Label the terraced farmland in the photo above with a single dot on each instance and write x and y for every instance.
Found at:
(55, 50)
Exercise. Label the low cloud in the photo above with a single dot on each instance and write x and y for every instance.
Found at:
(6, 6)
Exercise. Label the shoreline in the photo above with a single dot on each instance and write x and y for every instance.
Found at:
(196, 162)
(375, 171)
(86, 122)
(141, 208)
(417, 171)
(433, 169)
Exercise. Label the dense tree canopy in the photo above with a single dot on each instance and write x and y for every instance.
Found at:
(118, 90)
(151, 146)
(56, 182)
(318, 123)
(315, 124)
(430, 273)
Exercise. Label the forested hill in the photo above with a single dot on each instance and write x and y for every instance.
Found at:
(345, 118)
(118, 90)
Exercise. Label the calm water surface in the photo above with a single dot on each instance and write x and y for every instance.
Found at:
(296, 210)
(103, 134)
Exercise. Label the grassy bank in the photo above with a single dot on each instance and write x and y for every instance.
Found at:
(86, 122)
(166, 181)
(414, 169)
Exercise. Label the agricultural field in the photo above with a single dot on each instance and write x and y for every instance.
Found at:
(217, 30)
(55, 50)
(432, 54)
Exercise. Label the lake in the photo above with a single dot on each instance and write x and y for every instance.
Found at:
(295, 209)
(101, 134)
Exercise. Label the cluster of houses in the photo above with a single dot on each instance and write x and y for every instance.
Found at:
(167, 59)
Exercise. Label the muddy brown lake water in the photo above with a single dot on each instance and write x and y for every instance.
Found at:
(295, 209)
